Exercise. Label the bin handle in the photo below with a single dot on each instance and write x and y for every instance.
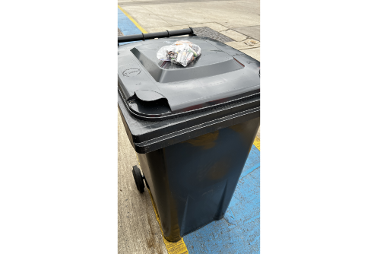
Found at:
(149, 36)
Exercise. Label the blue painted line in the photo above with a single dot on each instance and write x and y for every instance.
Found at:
(239, 230)
(126, 26)
(252, 162)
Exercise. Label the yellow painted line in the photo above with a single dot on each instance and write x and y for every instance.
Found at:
(172, 247)
(134, 21)
(257, 143)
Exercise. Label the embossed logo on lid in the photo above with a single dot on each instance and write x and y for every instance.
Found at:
(131, 72)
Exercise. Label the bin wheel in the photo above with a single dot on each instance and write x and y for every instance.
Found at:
(138, 179)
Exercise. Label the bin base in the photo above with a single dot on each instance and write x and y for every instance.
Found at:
(220, 217)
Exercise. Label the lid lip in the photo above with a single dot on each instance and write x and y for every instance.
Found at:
(181, 135)
(184, 112)
(140, 131)
(171, 136)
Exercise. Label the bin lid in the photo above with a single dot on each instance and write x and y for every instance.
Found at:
(154, 89)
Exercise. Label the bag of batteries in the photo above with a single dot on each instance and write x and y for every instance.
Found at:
(181, 52)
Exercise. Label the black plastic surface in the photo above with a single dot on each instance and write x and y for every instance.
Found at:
(192, 182)
(219, 75)
(148, 136)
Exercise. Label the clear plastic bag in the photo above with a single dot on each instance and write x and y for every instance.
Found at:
(181, 52)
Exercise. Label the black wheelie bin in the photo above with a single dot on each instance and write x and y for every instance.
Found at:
(192, 127)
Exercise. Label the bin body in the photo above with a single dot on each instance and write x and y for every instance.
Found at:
(192, 127)
(192, 182)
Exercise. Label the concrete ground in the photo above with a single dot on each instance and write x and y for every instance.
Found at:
(239, 20)
(139, 231)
